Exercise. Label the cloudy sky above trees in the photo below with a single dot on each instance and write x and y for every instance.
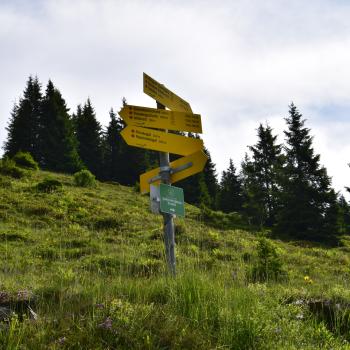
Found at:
(238, 63)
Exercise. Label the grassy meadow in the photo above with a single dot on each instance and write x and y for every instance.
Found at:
(83, 268)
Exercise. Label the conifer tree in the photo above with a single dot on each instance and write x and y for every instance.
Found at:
(58, 145)
(308, 203)
(260, 178)
(133, 160)
(211, 180)
(344, 215)
(23, 128)
(231, 192)
(112, 147)
(88, 131)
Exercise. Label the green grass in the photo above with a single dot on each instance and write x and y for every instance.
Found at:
(90, 263)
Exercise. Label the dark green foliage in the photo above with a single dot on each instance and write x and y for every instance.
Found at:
(88, 131)
(231, 192)
(58, 145)
(112, 148)
(308, 203)
(124, 163)
(84, 178)
(260, 178)
(202, 188)
(268, 265)
(49, 185)
(23, 127)
(9, 168)
(25, 160)
(222, 220)
(344, 215)
(210, 179)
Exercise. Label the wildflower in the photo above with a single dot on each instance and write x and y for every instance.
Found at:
(299, 316)
(61, 340)
(308, 280)
(106, 324)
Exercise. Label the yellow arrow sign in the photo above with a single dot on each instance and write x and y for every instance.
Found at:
(160, 141)
(192, 164)
(163, 95)
(161, 118)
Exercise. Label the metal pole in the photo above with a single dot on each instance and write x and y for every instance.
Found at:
(169, 232)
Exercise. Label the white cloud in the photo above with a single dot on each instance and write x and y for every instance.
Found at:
(237, 62)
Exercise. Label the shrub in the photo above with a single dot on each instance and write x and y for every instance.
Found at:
(84, 178)
(9, 168)
(220, 220)
(25, 160)
(268, 265)
(49, 185)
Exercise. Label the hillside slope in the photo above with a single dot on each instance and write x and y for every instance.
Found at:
(83, 268)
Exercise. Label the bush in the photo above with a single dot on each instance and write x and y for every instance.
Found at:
(49, 185)
(220, 220)
(268, 265)
(84, 178)
(25, 160)
(8, 167)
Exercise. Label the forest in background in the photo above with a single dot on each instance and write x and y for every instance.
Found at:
(282, 187)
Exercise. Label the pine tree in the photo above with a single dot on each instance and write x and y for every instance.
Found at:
(133, 160)
(88, 131)
(112, 147)
(211, 180)
(23, 128)
(344, 216)
(58, 145)
(308, 203)
(260, 178)
(231, 193)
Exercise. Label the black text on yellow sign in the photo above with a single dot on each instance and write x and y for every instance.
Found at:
(160, 141)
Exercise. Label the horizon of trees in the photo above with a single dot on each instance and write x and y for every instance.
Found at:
(280, 186)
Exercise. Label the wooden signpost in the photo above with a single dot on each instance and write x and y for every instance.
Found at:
(140, 132)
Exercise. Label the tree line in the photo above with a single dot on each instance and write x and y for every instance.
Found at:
(280, 186)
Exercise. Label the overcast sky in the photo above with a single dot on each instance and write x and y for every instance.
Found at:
(238, 63)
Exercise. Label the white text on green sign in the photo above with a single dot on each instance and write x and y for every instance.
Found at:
(172, 200)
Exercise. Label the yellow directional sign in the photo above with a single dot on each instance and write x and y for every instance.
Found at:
(161, 118)
(160, 141)
(163, 95)
(192, 164)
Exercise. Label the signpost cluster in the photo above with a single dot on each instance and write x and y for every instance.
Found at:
(148, 128)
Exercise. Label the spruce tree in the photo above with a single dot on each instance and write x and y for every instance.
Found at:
(308, 203)
(211, 180)
(23, 128)
(112, 147)
(133, 161)
(231, 193)
(260, 178)
(88, 131)
(344, 215)
(58, 145)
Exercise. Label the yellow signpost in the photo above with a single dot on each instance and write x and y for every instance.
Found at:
(181, 168)
(138, 133)
(163, 95)
(160, 141)
(161, 118)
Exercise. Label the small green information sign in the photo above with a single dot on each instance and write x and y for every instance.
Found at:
(172, 200)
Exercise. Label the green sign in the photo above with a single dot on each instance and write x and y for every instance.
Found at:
(172, 200)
